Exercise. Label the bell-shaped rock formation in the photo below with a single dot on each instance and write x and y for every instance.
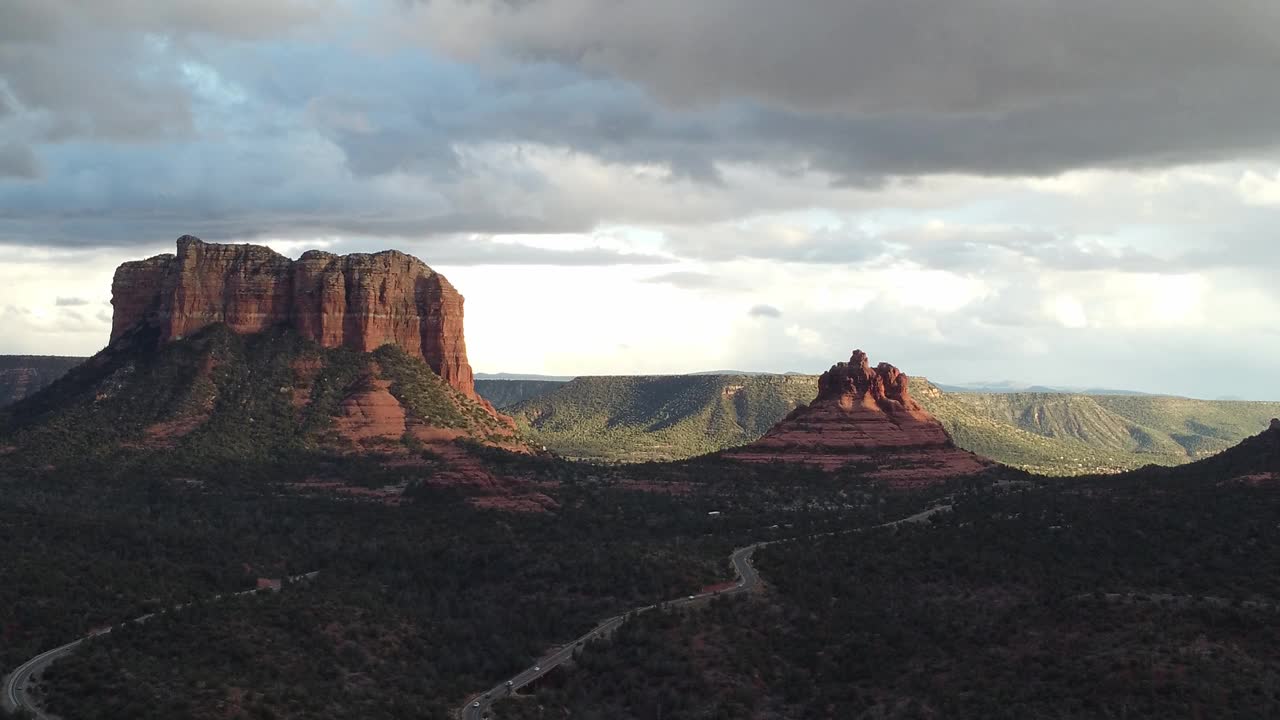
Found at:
(865, 417)
(359, 301)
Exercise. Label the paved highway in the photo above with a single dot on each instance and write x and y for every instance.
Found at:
(13, 694)
(15, 686)
(478, 705)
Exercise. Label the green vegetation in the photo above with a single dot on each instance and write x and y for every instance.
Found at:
(1200, 427)
(659, 417)
(22, 375)
(416, 604)
(430, 601)
(219, 397)
(1149, 595)
(631, 418)
(429, 399)
(146, 479)
(505, 393)
(1061, 434)
(635, 418)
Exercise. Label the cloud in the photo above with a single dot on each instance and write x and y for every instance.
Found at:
(884, 87)
(148, 119)
(974, 248)
(63, 321)
(1258, 189)
(868, 56)
(18, 161)
(764, 311)
(987, 180)
(70, 302)
(467, 250)
(486, 252)
(122, 71)
(794, 239)
(687, 280)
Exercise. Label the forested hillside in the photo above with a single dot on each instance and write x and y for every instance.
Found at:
(638, 418)
(1147, 595)
(505, 393)
(22, 375)
(635, 418)
(659, 417)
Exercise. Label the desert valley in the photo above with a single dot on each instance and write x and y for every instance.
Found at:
(662, 360)
(280, 492)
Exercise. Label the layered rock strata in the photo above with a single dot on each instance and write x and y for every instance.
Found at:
(865, 417)
(360, 301)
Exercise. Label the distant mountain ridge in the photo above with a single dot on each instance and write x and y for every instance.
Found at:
(674, 416)
(524, 376)
(504, 393)
(658, 417)
(23, 375)
(1007, 386)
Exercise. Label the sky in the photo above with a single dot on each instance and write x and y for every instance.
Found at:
(1062, 192)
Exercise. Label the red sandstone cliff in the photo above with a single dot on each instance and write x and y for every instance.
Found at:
(865, 416)
(358, 301)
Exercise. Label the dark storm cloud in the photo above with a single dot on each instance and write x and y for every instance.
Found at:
(241, 119)
(899, 87)
(875, 56)
(42, 21)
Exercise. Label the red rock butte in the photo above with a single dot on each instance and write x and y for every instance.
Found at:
(359, 301)
(865, 416)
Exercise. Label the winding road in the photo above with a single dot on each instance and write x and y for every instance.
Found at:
(478, 705)
(13, 693)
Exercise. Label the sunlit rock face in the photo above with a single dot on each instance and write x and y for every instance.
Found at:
(865, 417)
(359, 301)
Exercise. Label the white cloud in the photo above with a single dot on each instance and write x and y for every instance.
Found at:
(806, 338)
(1259, 189)
(1067, 311)
(594, 227)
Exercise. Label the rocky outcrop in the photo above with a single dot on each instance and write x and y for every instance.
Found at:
(371, 412)
(865, 417)
(359, 301)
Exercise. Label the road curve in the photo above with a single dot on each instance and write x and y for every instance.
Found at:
(13, 693)
(15, 686)
(477, 706)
